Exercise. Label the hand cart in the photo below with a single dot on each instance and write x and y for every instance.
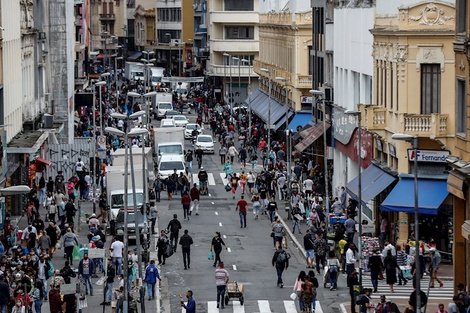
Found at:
(234, 290)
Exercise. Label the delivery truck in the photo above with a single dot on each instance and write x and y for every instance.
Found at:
(135, 71)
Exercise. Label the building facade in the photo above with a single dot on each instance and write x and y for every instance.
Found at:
(459, 177)
(414, 94)
(82, 43)
(109, 25)
(233, 32)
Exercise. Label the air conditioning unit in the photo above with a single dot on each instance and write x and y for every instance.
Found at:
(46, 98)
(48, 120)
(328, 91)
(42, 36)
(175, 42)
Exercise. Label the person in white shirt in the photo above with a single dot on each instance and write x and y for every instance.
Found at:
(232, 152)
(250, 180)
(27, 231)
(93, 221)
(79, 168)
(308, 186)
(116, 253)
(388, 246)
(281, 182)
(350, 258)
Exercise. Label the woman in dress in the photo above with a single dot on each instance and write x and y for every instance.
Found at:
(307, 293)
(391, 266)
(228, 169)
(243, 181)
(216, 246)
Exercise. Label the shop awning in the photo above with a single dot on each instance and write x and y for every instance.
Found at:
(374, 181)
(282, 121)
(268, 110)
(431, 194)
(300, 119)
(135, 56)
(44, 161)
(251, 99)
(310, 135)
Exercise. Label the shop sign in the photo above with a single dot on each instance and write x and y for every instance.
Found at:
(434, 156)
(305, 99)
(343, 125)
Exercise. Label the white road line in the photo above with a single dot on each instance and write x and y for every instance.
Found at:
(212, 202)
(225, 237)
(212, 307)
(210, 179)
(210, 195)
(224, 180)
(289, 306)
(216, 213)
(318, 308)
(264, 306)
(229, 250)
(234, 267)
(237, 307)
(195, 179)
(220, 224)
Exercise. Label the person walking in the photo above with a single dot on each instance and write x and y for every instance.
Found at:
(216, 246)
(333, 268)
(402, 260)
(186, 241)
(309, 249)
(110, 275)
(376, 266)
(151, 276)
(241, 208)
(272, 208)
(250, 180)
(162, 243)
(190, 305)
(153, 216)
(37, 296)
(434, 266)
(228, 169)
(281, 262)
(195, 197)
(352, 280)
(242, 181)
(86, 268)
(222, 154)
(222, 278)
(186, 202)
(295, 218)
(173, 228)
(55, 300)
(298, 288)
(391, 266)
(234, 183)
(279, 233)
(232, 152)
(350, 258)
(69, 240)
(308, 294)
(256, 205)
(321, 249)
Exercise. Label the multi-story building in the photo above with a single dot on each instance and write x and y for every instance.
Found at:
(233, 33)
(459, 176)
(145, 27)
(175, 35)
(200, 44)
(414, 94)
(82, 42)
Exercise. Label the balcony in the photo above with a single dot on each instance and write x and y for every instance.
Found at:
(107, 17)
(428, 125)
(221, 70)
(234, 46)
(304, 81)
(375, 118)
(234, 17)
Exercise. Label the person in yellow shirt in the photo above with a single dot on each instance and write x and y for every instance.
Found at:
(341, 245)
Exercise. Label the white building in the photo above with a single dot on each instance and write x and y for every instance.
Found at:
(353, 72)
(12, 71)
(233, 31)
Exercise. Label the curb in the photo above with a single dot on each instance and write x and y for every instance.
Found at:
(291, 235)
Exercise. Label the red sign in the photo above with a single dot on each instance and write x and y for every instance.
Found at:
(350, 149)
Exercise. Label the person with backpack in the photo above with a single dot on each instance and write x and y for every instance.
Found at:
(295, 217)
(435, 257)
(281, 262)
(173, 228)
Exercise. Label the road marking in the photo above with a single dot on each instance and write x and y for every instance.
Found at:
(318, 308)
(237, 307)
(216, 213)
(234, 267)
(210, 195)
(264, 306)
(210, 179)
(229, 250)
(290, 307)
(224, 180)
(220, 224)
(225, 237)
(212, 307)
(212, 202)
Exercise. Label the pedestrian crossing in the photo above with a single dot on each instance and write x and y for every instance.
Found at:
(212, 179)
(253, 306)
(404, 291)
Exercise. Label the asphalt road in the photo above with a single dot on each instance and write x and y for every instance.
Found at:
(248, 259)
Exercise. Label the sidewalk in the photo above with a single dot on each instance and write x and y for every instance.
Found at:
(401, 303)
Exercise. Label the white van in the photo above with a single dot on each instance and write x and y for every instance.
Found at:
(182, 89)
(170, 148)
(170, 162)
(162, 107)
(156, 74)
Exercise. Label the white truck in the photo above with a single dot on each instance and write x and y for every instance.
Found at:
(168, 140)
(120, 154)
(135, 71)
(161, 103)
(156, 74)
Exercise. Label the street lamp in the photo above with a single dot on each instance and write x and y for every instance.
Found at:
(359, 184)
(93, 169)
(269, 107)
(144, 103)
(230, 87)
(115, 66)
(239, 77)
(414, 142)
(169, 44)
(105, 76)
(249, 93)
(126, 135)
(288, 132)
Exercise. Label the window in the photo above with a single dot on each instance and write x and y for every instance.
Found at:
(461, 24)
(461, 108)
(105, 8)
(238, 5)
(430, 88)
(250, 58)
(111, 8)
(239, 32)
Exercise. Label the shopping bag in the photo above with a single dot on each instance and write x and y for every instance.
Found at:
(210, 255)
(76, 253)
(293, 296)
(228, 187)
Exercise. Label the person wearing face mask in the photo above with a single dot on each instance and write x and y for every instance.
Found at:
(19, 307)
(23, 298)
(86, 268)
(38, 296)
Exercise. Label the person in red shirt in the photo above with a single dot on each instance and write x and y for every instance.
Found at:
(186, 202)
(262, 144)
(241, 208)
(194, 193)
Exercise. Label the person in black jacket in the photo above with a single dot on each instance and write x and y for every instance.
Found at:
(66, 272)
(216, 246)
(162, 243)
(174, 227)
(281, 262)
(352, 280)
(186, 241)
(110, 275)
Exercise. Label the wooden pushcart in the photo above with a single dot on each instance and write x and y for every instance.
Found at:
(234, 290)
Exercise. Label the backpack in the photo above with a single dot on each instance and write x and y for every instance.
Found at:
(99, 244)
(282, 257)
(360, 300)
(168, 250)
